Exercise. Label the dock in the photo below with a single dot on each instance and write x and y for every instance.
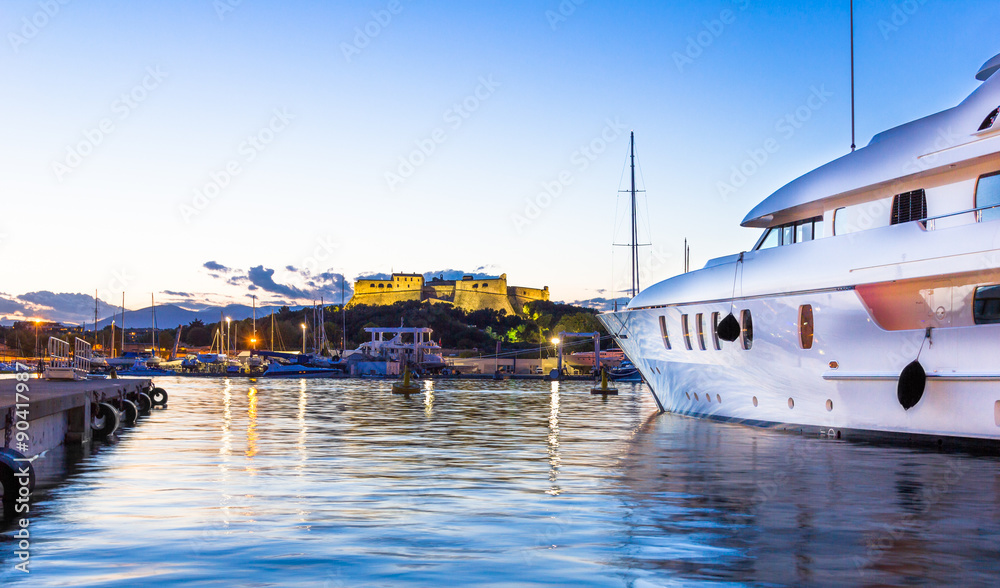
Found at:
(59, 412)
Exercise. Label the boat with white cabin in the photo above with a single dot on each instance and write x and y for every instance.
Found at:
(869, 306)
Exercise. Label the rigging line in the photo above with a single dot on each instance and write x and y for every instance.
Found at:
(736, 272)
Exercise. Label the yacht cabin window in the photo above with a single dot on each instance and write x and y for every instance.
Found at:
(747, 329)
(986, 305)
(788, 234)
(700, 324)
(686, 331)
(663, 332)
(989, 120)
(716, 342)
(988, 194)
(806, 326)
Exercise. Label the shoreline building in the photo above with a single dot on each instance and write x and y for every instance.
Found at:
(469, 293)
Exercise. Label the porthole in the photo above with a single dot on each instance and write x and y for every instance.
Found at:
(806, 326)
(791, 403)
(708, 398)
(688, 395)
(718, 399)
(747, 321)
(755, 402)
(829, 405)
(696, 397)
(996, 413)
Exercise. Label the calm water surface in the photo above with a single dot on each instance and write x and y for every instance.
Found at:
(339, 483)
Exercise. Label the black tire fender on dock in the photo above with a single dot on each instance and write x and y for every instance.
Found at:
(158, 396)
(129, 411)
(8, 468)
(105, 420)
(144, 402)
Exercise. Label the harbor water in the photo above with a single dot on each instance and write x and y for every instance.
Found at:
(500, 483)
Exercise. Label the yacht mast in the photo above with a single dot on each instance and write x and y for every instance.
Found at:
(635, 235)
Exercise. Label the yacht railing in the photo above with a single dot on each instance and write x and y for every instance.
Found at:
(928, 223)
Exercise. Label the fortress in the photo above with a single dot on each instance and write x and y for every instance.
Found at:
(469, 293)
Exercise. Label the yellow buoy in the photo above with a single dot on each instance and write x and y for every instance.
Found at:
(405, 387)
(603, 389)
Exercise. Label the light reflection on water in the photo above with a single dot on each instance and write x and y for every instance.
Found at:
(340, 483)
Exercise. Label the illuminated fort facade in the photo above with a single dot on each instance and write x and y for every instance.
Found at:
(468, 293)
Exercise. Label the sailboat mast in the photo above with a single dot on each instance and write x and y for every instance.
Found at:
(95, 318)
(123, 323)
(635, 231)
(152, 313)
(343, 316)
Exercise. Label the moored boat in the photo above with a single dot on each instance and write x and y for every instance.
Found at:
(869, 305)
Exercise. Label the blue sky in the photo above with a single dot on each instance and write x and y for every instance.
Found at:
(142, 140)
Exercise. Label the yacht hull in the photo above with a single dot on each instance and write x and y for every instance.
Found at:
(847, 382)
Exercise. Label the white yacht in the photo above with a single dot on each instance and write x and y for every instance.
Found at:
(887, 256)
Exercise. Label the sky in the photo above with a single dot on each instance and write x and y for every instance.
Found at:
(213, 150)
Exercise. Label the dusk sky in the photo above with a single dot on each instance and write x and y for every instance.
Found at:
(207, 150)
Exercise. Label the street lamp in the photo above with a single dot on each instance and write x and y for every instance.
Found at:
(303, 338)
(253, 343)
(229, 341)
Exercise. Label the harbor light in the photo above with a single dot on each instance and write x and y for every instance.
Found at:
(555, 340)
(303, 338)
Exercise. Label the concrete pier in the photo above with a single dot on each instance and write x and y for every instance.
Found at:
(57, 412)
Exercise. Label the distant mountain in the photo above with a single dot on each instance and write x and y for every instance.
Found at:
(168, 316)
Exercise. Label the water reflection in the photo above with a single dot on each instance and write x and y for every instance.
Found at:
(526, 483)
(251, 425)
(711, 501)
(553, 440)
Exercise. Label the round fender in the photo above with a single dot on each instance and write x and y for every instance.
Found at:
(9, 467)
(144, 402)
(910, 388)
(105, 420)
(158, 396)
(729, 328)
(129, 411)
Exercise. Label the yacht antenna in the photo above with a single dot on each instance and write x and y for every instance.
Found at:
(852, 76)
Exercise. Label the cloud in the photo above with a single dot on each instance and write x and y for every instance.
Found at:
(9, 305)
(373, 276)
(263, 278)
(216, 267)
(602, 304)
(181, 294)
(454, 274)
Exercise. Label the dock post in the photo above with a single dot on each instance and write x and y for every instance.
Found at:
(78, 421)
